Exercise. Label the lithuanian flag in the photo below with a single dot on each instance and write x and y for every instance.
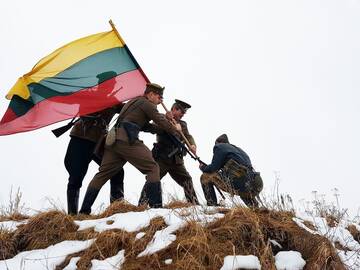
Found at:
(84, 76)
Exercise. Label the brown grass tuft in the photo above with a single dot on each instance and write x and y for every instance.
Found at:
(81, 235)
(121, 207)
(331, 220)
(310, 225)
(43, 230)
(177, 204)
(107, 244)
(354, 232)
(315, 249)
(7, 245)
(14, 216)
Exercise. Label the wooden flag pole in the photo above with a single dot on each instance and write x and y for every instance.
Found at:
(128, 50)
(116, 31)
(181, 133)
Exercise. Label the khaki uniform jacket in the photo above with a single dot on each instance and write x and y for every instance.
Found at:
(185, 130)
(141, 111)
(94, 127)
(165, 145)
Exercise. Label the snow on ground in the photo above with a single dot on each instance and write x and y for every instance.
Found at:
(175, 219)
(112, 263)
(339, 234)
(161, 240)
(289, 260)
(10, 225)
(134, 221)
(72, 264)
(46, 258)
(240, 261)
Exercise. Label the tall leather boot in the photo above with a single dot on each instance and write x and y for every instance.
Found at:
(117, 186)
(209, 193)
(89, 199)
(72, 201)
(116, 191)
(153, 194)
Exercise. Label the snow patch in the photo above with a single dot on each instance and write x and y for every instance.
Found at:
(241, 261)
(289, 260)
(46, 258)
(112, 263)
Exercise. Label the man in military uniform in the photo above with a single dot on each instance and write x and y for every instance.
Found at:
(128, 148)
(85, 135)
(231, 171)
(169, 153)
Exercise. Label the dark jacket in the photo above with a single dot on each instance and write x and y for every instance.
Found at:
(92, 127)
(224, 152)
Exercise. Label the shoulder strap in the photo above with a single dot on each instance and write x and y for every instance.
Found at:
(125, 112)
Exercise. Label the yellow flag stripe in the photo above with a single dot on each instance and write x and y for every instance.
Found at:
(63, 58)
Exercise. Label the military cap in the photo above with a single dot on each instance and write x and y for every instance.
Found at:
(222, 139)
(106, 75)
(183, 106)
(153, 87)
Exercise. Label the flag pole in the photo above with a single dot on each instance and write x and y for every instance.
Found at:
(126, 47)
(116, 31)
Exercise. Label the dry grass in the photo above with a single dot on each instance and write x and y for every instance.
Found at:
(14, 217)
(177, 204)
(15, 209)
(315, 249)
(310, 225)
(354, 232)
(107, 244)
(242, 231)
(7, 245)
(121, 207)
(43, 230)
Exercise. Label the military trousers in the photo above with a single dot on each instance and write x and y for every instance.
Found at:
(79, 154)
(180, 175)
(115, 157)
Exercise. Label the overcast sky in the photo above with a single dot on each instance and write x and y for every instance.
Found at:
(281, 78)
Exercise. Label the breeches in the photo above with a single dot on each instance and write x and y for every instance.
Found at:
(115, 157)
(177, 172)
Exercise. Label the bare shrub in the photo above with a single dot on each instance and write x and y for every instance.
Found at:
(15, 210)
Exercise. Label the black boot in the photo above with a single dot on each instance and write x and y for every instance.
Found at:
(89, 199)
(209, 193)
(116, 192)
(117, 186)
(153, 194)
(72, 201)
(143, 200)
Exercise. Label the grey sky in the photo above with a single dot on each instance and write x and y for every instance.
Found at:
(279, 77)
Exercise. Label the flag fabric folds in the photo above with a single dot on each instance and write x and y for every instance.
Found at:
(84, 76)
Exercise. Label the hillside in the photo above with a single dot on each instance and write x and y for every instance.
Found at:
(179, 236)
